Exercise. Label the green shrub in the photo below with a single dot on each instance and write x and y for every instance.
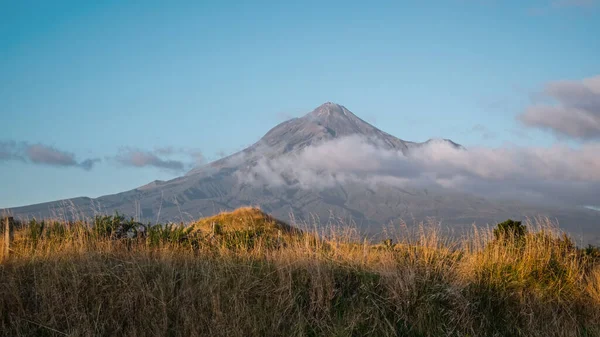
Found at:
(510, 230)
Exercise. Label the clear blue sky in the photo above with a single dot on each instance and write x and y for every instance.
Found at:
(95, 80)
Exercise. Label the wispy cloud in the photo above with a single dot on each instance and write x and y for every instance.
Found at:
(572, 110)
(138, 158)
(89, 163)
(9, 150)
(161, 158)
(41, 154)
(555, 174)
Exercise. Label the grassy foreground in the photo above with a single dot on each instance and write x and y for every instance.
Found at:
(246, 274)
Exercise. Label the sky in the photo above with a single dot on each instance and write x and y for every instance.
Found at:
(99, 98)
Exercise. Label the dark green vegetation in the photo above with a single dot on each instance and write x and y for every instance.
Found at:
(247, 274)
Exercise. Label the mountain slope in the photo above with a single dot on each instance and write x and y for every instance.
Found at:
(215, 187)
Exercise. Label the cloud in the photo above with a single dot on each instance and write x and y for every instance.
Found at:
(557, 174)
(88, 164)
(9, 150)
(41, 154)
(139, 158)
(575, 112)
(158, 158)
(197, 156)
(165, 151)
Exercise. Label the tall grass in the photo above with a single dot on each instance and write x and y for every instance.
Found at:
(247, 275)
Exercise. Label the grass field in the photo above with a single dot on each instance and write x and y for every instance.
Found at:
(246, 274)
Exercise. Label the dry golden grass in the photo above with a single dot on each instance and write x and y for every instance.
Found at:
(242, 219)
(70, 281)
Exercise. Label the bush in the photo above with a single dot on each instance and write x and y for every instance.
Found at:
(510, 230)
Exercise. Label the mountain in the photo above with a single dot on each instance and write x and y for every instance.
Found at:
(328, 121)
(218, 186)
